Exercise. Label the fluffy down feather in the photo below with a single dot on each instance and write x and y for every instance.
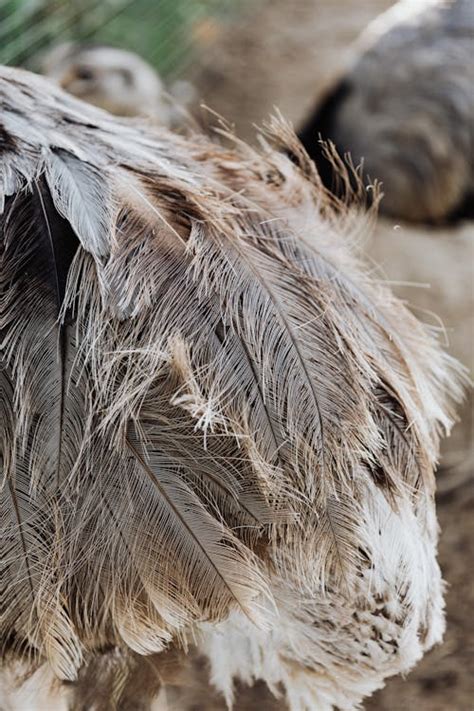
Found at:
(215, 428)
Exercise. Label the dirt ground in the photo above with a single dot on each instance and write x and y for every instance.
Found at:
(283, 53)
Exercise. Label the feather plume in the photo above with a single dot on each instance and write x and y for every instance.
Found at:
(201, 391)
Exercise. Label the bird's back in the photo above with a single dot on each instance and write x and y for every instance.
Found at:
(213, 423)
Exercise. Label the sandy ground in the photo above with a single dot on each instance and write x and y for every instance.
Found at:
(283, 53)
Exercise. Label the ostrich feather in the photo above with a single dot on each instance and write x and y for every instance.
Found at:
(208, 408)
(73, 185)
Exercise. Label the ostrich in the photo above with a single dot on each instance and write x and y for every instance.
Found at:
(405, 106)
(215, 430)
(116, 80)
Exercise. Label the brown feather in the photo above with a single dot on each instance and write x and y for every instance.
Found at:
(200, 388)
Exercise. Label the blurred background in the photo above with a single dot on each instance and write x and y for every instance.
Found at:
(242, 59)
(168, 33)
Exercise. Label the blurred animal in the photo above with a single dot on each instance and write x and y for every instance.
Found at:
(116, 80)
(214, 429)
(405, 106)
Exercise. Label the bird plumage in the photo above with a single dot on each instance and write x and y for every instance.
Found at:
(216, 428)
(405, 106)
(118, 81)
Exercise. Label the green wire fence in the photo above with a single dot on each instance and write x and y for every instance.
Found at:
(168, 33)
